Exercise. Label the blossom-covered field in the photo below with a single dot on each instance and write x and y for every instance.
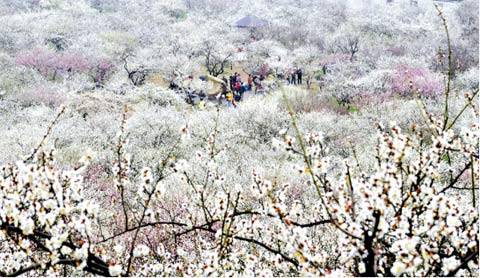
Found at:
(351, 150)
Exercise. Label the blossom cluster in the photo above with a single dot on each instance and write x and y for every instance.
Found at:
(45, 220)
(404, 217)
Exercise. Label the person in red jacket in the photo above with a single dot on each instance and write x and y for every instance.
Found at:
(250, 82)
(237, 86)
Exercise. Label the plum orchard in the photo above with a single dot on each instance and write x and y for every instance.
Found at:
(408, 215)
(409, 207)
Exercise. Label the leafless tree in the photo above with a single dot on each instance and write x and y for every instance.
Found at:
(138, 75)
(215, 60)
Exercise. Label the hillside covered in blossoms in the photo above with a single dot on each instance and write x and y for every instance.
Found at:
(239, 138)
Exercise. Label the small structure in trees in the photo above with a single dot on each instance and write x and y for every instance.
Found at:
(250, 21)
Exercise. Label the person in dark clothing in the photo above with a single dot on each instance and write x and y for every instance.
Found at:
(299, 76)
(294, 77)
(233, 79)
(224, 89)
(224, 79)
(241, 90)
(237, 97)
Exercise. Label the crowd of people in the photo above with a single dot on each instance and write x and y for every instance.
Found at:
(233, 88)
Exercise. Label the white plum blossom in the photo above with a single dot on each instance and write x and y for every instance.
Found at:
(115, 270)
(27, 226)
(118, 249)
(397, 269)
(141, 251)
